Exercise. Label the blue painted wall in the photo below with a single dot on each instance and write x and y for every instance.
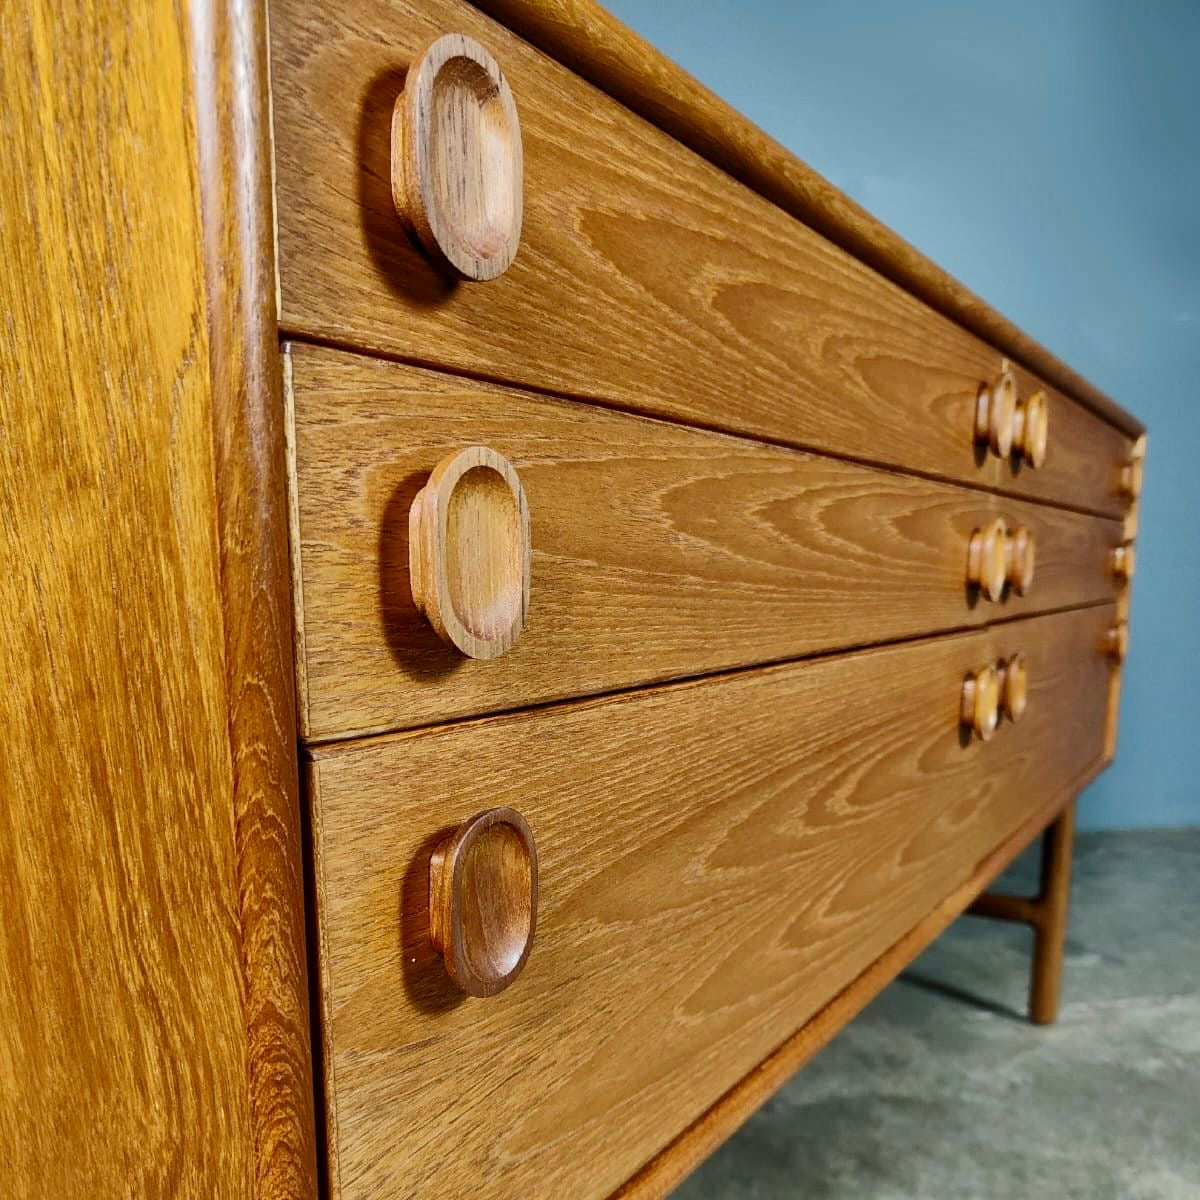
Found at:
(1048, 155)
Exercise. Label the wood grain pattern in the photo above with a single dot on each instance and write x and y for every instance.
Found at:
(658, 551)
(594, 44)
(670, 1167)
(647, 278)
(717, 860)
(123, 1042)
(229, 65)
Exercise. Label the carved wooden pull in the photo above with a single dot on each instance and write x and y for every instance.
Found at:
(469, 552)
(1019, 556)
(483, 897)
(1031, 429)
(995, 410)
(1116, 640)
(1014, 686)
(1123, 560)
(1130, 482)
(457, 166)
(987, 559)
(980, 711)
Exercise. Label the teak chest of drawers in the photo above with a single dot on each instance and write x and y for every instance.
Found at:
(583, 606)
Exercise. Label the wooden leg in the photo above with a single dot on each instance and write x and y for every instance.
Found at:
(1046, 913)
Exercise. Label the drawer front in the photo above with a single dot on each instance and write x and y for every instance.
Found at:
(717, 860)
(658, 551)
(645, 276)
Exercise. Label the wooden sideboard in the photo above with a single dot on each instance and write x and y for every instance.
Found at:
(524, 607)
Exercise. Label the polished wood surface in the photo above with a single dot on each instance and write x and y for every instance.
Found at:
(658, 551)
(123, 1045)
(483, 893)
(229, 65)
(707, 884)
(669, 1168)
(457, 179)
(469, 553)
(594, 44)
(646, 277)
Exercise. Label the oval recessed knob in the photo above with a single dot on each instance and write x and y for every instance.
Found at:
(457, 166)
(469, 552)
(1116, 640)
(987, 559)
(483, 895)
(995, 410)
(1031, 429)
(1014, 686)
(1019, 555)
(1123, 561)
(980, 711)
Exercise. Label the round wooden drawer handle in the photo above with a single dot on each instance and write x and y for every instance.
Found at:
(995, 411)
(1019, 556)
(457, 167)
(1131, 477)
(980, 710)
(1031, 429)
(483, 895)
(469, 552)
(1123, 561)
(1116, 641)
(1014, 686)
(987, 559)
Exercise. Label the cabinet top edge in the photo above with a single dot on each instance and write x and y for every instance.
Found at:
(594, 44)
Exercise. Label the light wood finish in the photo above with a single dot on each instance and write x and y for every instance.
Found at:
(1046, 913)
(1014, 687)
(1123, 562)
(980, 710)
(707, 884)
(123, 1045)
(1020, 559)
(646, 279)
(658, 551)
(670, 1167)
(469, 552)
(995, 409)
(229, 66)
(483, 884)
(595, 45)
(987, 559)
(1031, 429)
(457, 178)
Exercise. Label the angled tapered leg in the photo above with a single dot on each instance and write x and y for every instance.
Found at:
(1046, 913)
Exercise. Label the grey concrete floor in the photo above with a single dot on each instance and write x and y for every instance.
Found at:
(941, 1090)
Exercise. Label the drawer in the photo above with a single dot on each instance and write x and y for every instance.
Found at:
(716, 859)
(659, 551)
(645, 278)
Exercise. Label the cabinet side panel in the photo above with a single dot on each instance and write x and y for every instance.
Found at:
(123, 1045)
